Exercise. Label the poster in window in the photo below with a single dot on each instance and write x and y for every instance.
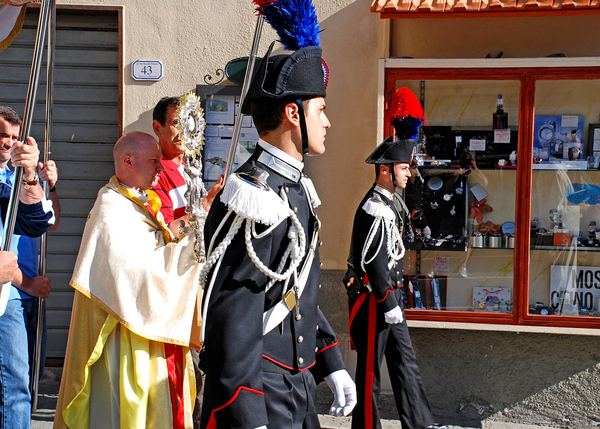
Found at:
(553, 136)
(215, 159)
(220, 109)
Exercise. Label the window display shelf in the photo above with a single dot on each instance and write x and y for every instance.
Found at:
(567, 248)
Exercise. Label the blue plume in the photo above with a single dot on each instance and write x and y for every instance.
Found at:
(407, 127)
(295, 22)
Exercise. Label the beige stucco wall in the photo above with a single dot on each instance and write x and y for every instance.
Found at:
(193, 39)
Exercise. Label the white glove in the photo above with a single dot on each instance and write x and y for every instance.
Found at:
(344, 392)
(394, 316)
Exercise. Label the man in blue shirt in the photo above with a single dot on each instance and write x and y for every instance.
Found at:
(19, 321)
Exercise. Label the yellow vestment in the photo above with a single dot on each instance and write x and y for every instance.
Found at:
(135, 291)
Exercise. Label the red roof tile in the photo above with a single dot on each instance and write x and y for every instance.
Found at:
(424, 6)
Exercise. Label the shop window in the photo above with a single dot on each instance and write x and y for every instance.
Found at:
(509, 188)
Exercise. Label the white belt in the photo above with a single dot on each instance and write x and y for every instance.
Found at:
(276, 314)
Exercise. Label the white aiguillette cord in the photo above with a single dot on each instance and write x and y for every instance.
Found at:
(250, 208)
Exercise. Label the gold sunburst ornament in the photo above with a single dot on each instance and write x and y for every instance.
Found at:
(191, 124)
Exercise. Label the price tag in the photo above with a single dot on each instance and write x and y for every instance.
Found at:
(569, 121)
(502, 136)
(477, 144)
(147, 70)
(441, 263)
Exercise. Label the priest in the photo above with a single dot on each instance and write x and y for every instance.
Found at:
(128, 361)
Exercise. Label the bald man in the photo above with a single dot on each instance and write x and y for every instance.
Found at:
(128, 362)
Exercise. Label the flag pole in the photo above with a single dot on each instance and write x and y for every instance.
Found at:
(240, 116)
(35, 374)
(13, 202)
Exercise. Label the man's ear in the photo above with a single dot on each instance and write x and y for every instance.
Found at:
(292, 114)
(156, 127)
(127, 162)
(384, 169)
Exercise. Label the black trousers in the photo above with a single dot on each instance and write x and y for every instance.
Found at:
(199, 389)
(290, 400)
(373, 339)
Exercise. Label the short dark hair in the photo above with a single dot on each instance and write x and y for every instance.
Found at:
(268, 114)
(160, 110)
(378, 170)
(10, 115)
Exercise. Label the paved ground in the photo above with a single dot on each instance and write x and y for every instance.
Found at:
(48, 396)
(328, 422)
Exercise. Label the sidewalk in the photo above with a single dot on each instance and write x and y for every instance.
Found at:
(328, 422)
(43, 418)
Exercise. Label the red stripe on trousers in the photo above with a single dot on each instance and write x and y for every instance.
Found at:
(370, 374)
(175, 367)
(355, 309)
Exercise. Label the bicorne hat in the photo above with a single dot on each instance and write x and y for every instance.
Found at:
(392, 151)
(300, 75)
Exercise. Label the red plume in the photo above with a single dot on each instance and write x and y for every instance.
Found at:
(262, 3)
(405, 104)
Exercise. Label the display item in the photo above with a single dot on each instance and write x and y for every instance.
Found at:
(494, 240)
(593, 162)
(592, 230)
(508, 227)
(435, 288)
(574, 153)
(435, 183)
(500, 118)
(535, 226)
(553, 215)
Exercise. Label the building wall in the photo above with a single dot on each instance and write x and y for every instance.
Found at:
(539, 378)
(195, 39)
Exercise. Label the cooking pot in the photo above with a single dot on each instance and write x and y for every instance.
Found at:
(508, 241)
(494, 240)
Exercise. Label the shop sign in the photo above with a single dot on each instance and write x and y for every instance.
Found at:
(582, 283)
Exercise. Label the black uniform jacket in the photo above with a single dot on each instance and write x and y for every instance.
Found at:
(383, 280)
(236, 350)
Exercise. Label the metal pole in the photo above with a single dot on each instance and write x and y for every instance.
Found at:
(247, 78)
(35, 374)
(13, 202)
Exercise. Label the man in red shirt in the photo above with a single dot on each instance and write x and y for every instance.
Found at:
(171, 187)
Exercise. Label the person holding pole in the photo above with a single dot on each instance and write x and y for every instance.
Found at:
(18, 322)
(267, 343)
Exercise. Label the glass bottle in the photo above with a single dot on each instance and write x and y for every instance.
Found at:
(500, 118)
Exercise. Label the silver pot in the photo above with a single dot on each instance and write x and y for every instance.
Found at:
(508, 241)
(477, 240)
(494, 241)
